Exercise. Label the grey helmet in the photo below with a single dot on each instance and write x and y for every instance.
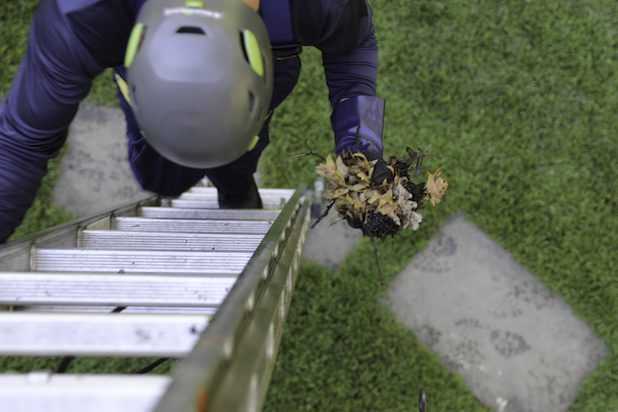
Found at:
(200, 77)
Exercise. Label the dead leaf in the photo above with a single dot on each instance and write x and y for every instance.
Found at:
(373, 197)
(390, 210)
(359, 187)
(436, 187)
(337, 193)
(358, 206)
(363, 177)
(342, 169)
(327, 169)
(333, 176)
(386, 198)
(360, 156)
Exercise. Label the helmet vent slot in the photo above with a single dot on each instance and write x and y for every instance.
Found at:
(243, 47)
(251, 102)
(251, 51)
(191, 30)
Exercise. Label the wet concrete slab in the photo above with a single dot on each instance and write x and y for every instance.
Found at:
(517, 345)
(94, 173)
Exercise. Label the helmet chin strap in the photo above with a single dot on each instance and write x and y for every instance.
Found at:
(254, 4)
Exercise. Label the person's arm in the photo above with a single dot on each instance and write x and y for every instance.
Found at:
(54, 76)
(350, 57)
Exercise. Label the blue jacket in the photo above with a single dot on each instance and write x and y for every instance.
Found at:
(72, 41)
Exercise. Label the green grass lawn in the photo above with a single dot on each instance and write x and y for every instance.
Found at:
(518, 102)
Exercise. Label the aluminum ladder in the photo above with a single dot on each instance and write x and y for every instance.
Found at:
(177, 279)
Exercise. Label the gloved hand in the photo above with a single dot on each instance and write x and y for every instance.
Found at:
(358, 123)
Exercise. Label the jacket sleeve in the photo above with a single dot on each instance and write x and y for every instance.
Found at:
(350, 58)
(54, 76)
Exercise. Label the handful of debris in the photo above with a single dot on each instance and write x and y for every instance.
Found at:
(380, 208)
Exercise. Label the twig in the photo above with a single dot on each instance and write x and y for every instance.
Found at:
(64, 364)
(152, 366)
(323, 215)
(422, 401)
(310, 153)
(377, 256)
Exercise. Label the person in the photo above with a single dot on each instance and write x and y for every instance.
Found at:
(198, 82)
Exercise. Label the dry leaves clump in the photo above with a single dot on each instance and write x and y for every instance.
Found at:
(379, 209)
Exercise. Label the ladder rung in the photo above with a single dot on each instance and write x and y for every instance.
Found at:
(138, 224)
(119, 290)
(41, 391)
(206, 311)
(156, 310)
(211, 214)
(264, 193)
(195, 202)
(59, 334)
(114, 240)
(75, 260)
(273, 197)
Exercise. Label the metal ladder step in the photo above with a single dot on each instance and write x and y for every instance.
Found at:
(156, 310)
(211, 192)
(199, 202)
(271, 198)
(113, 290)
(60, 334)
(123, 240)
(137, 224)
(36, 392)
(119, 261)
(209, 214)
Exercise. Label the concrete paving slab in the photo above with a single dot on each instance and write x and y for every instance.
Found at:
(330, 241)
(518, 346)
(94, 173)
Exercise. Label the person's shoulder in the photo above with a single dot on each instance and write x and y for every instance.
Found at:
(330, 8)
(308, 19)
(71, 6)
(102, 26)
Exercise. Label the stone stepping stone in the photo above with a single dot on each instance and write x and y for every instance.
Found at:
(518, 346)
(94, 173)
(330, 242)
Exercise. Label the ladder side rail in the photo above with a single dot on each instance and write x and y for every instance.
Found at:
(258, 349)
(246, 326)
(15, 256)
